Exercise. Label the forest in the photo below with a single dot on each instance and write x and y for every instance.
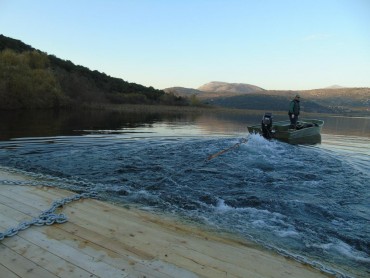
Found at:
(32, 79)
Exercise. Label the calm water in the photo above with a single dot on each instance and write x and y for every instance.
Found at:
(308, 201)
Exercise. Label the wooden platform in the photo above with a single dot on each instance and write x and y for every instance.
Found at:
(103, 240)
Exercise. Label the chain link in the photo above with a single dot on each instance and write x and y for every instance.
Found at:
(47, 217)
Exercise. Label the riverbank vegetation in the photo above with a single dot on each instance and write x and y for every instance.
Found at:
(31, 79)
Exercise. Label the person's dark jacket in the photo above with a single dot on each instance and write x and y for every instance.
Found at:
(294, 107)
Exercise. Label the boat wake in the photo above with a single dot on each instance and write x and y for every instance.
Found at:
(307, 202)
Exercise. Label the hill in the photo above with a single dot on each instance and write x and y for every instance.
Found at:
(267, 103)
(215, 89)
(343, 101)
(32, 79)
(181, 91)
(334, 99)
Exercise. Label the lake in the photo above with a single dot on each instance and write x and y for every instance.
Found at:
(310, 203)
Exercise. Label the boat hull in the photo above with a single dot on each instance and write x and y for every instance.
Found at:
(308, 131)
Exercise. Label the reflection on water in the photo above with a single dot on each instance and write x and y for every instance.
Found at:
(354, 126)
(63, 123)
(56, 123)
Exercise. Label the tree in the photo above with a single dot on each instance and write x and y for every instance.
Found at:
(27, 82)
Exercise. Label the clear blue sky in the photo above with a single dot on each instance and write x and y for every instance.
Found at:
(274, 44)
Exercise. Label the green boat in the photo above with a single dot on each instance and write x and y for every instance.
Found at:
(307, 131)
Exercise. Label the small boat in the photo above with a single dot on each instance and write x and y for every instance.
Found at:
(307, 131)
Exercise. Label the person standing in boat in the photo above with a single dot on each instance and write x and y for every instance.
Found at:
(294, 109)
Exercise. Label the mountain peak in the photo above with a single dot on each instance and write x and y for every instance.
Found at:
(237, 88)
(335, 87)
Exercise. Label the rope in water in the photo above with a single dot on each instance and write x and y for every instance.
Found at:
(244, 140)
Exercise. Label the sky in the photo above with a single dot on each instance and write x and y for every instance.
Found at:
(273, 44)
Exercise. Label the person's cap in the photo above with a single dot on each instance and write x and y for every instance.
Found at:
(297, 95)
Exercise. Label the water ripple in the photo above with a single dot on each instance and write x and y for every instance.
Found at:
(310, 201)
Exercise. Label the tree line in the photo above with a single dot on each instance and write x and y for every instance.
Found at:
(31, 79)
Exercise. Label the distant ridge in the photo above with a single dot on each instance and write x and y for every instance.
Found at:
(237, 88)
(181, 91)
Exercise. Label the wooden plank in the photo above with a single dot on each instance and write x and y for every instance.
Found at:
(89, 224)
(103, 252)
(162, 245)
(162, 249)
(26, 197)
(90, 264)
(103, 239)
(16, 204)
(141, 269)
(45, 259)
(61, 251)
(6, 273)
(144, 266)
(127, 236)
(141, 263)
(17, 216)
(20, 265)
(135, 267)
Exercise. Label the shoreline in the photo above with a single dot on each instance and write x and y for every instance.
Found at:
(207, 109)
(124, 242)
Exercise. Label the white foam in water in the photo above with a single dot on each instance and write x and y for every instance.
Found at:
(259, 223)
(267, 148)
(344, 249)
(260, 218)
(257, 140)
(222, 207)
(290, 232)
(348, 251)
(144, 194)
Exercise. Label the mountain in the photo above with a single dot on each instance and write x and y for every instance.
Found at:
(335, 99)
(222, 87)
(215, 89)
(32, 79)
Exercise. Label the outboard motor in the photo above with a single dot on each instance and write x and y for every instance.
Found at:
(266, 125)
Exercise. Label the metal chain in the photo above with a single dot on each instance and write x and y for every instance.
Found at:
(49, 216)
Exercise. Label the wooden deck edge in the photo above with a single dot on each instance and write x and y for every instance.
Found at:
(104, 240)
